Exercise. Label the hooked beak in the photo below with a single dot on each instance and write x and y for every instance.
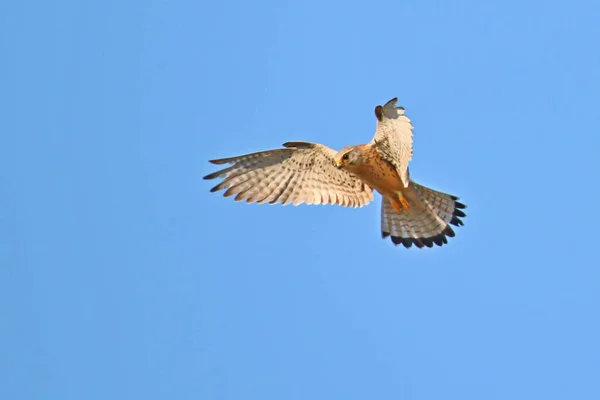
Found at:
(338, 164)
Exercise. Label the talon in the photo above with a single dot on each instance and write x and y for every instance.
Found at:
(405, 203)
(400, 204)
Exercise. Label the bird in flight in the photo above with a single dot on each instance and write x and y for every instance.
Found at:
(311, 173)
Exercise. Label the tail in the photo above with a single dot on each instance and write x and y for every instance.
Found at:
(423, 227)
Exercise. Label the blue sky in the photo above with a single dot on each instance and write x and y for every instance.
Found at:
(122, 277)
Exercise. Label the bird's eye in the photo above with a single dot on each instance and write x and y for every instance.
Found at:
(345, 156)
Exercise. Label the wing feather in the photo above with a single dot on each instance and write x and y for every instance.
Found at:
(394, 137)
(302, 172)
(423, 227)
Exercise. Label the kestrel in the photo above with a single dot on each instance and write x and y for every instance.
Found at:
(312, 173)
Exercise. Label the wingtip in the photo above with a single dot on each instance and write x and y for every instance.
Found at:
(210, 176)
(299, 145)
(218, 161)
(459, 213)
(392, 101)
(421, 242)
(379, 113)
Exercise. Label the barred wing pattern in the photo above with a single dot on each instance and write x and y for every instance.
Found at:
(394, 137)
(302, 172)
(423, 227)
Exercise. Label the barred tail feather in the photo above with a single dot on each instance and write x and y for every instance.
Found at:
(422, 227)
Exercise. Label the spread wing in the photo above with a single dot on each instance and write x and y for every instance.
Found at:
(302, 172)
(394, 137)
(423, 227)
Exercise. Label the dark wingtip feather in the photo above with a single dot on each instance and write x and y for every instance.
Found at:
(299, 145)
(379, 113)
(219, 161)
(406, 242)
(421, 242)
(448, 231)
(212, 176)
(417, 242)
(385, 234)
(440, 239)
(427, 242)
(456, 221)
(458, 213)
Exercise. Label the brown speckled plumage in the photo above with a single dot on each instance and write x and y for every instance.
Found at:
(312, 173)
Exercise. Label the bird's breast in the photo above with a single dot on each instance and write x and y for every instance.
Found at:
(378, 173)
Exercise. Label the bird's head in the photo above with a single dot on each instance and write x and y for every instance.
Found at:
(347, 157)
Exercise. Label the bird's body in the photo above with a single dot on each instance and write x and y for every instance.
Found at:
(382, 176)
(312, 173)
